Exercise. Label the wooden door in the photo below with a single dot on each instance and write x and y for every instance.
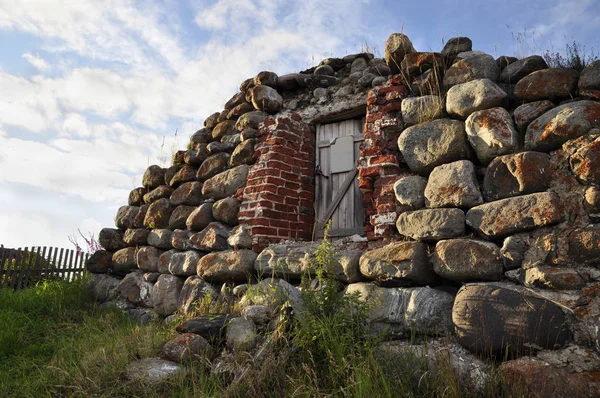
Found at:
(337, 195)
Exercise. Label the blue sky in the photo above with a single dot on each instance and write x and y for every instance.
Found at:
(92, 92)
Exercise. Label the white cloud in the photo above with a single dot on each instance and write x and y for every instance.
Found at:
(121, 67)
(38, 62)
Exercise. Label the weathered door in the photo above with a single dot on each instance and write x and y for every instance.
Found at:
(337, 195)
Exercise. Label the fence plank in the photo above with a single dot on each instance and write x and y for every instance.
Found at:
(3, 261)
(68, 267)
(13, 270)
(35, 251)
(41, 265)
(18, 274)
(48, 265)
(9, 262)
(55, 265)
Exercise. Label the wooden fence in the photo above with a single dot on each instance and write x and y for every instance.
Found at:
(23, 267)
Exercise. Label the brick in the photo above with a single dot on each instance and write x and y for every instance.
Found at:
(383, 160)
(372, 171)
(269, 231)
(279, 223)
(260, 222)
(284, 208)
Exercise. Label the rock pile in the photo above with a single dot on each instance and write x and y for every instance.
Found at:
(481, 173)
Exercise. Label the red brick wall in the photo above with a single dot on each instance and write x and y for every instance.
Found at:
(278, 201)
(380, 158)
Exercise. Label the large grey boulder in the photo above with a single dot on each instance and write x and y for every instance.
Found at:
(100, 262)
(180, 239)
(211, 327)
(555, 278)
(103, 287)
(554, 84)
(202, 136)
(184, 263)
(189, 193)
(432, 224)
(240, 334)
(267, 99)
(138, 219)
(213, 237)
(250, 120)
(273, 293)
(508, 216)
(589, 80)
(519, 174)
(165, 294)
(152, 371)
(491, 133)
(227, 266)
(147, 258)
(399, 262)
(164, 260)
(396, 47)
(136, 196)
(194, 290)
(439, 356)
(136, 289)
(160, 238)
(179, 217)
(212, 120)
(153, 177)
(519, 69)
(527, 113)
(266, 78)
(185, 174)
(417, 110)
(292, 261)
(457, 45)
(226, 211)
(226, 183)
(585, 163)
(213, 165)
(185, 347)
(123, 260)
(482, 66)
(162, 191)
(222, 129)
(410, 191)
(453, 185)
(419, 310)
(584, 245)
(200, 218)
(561, 124)
(243, 153)
(125, 217)
(465, 260)
(431, 144)
(476, 95)
(196, 155)
(237, 99)
(111, 239)
(136, 236)
(495, 318)
(240, 237)
(158, 214)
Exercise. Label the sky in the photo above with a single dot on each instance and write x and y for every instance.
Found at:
(92, 92)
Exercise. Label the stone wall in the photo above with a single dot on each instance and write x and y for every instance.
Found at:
(480, 181)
